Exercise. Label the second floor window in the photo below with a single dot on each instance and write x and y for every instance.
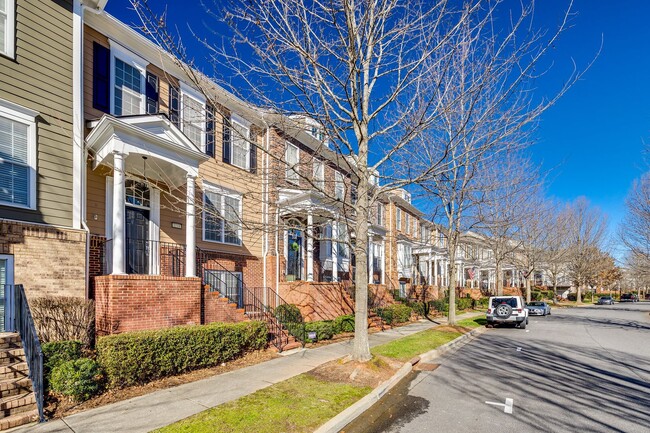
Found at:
(380, 214)
(399, 219)
(319, 174)
(408, 224)
(222, 216)
(128, 89)
(7, 27)
(193, 120)
(291, 157)
(240, 146)
(339, 186)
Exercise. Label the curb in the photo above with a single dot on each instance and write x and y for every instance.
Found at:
(336, 424)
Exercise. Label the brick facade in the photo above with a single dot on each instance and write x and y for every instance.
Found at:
(48, 261)
(318, 301)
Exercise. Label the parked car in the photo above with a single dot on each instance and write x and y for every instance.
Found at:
(606, 300)
(538, 308)
(629, 297)
(507, 309)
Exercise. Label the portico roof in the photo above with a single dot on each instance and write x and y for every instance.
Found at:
(173, 155)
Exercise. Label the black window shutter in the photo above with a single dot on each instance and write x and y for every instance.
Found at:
(101, 77)
(152, 93)
(253, 158)
(174, 106)
(226, 140)
(209, 130)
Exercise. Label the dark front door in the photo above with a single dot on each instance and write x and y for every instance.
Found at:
(294, 255)
(137, 241)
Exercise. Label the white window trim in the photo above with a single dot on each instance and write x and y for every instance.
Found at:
(25, 116)
(132, 59)
(398, 219)
(224, 192)
(292, 168)
(236, 120)
(191, 92)
(10, 269)
(319, 181)
(339, 185)
(9, 49)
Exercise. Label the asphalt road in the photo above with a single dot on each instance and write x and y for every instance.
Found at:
(578, 370)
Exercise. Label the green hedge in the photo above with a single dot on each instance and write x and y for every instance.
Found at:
(394, 314)
(464, 303)
(56, 353)
(80, 379)
(324, 330)
(343, 324)
(419, 308)
(139, 357)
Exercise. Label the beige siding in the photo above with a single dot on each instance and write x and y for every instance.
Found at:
(40, 78)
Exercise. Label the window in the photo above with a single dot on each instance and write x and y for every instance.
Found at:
(319, 174)
(407, 196)
(291, 157)
(342, 238)
(7, 27)
(404, 256)
(127, 91)
(221, 216)
(137, 193)
(380, 214)
(193, 115)
(240, 146)
(408, 224)
(17, 155)
(339, 186)
(399, 219)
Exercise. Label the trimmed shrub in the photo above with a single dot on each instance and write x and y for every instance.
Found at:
(139, 357)
(464, 303)
(343, 324)
(482, 303)
(56, 353)
(394, 314)
(287, 313)
(418, 308)
(64, 318)
(324, 330)
(440, 305)
(80, 379)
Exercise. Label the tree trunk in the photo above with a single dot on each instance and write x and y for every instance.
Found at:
(579, 294)
(554, 291)
(499, 281)
(528, 288)
(452, 281)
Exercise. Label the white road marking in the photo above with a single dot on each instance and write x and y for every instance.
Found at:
(527, 330)
(518, 349)
(507, 407)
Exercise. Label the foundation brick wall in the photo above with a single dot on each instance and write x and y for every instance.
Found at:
(137, 302)
(218, 309)
(48, 261)
(317, 301)
(250, 267)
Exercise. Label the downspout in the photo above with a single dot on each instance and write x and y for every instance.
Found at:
(78, 149)
(265, 210)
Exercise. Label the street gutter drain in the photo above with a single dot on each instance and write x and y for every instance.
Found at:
(426, 367)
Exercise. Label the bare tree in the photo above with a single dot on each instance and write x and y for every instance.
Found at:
(485, 82)
(635, 228)
(557, 245)
(587, 236)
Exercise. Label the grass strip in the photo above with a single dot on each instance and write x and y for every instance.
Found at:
(299, 404)
(472, 322)
(416, 344)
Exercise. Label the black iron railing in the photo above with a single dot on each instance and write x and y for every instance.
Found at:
(18, 318)
(259, 303)
(142, 257)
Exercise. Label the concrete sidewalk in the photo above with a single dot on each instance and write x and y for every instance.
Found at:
(145, 413)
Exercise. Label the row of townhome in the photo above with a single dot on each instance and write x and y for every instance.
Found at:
(122, 182)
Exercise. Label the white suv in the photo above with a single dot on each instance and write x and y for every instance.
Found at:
(507, 309)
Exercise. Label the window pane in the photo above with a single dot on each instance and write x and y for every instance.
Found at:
(240, 146)
(193, 119)
(14, 168)
(213, 230)
(3, 26)
(127, 89)
(233, 223)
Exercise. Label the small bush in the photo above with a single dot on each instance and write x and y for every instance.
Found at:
(288, 313)
(482, 303)
(324, 330)
(343, 324)
(394, 314)
(80, 379)
(139, 357)
(418, 308)
(56, 353)
(464, 303)
(440, 305)
(63, 318)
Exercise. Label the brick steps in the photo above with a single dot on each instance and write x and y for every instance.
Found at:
(17, 399)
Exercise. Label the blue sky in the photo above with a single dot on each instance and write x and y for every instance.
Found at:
(592, 139)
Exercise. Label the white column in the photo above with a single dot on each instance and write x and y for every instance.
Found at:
(370, 258)
(335, 245)
(119, 222)
(382, 261)
(435, 272)
(310, 246)
(190, 231)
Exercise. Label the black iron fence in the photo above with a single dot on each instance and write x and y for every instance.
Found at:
(18, 318)
(142, 257)
(259, 303)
